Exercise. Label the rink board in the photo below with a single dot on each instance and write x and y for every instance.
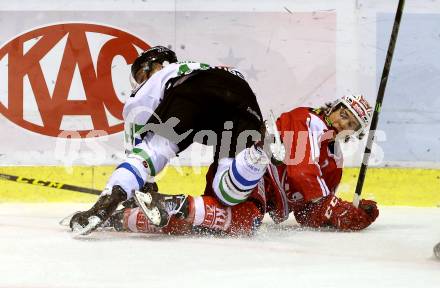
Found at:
(388, 186)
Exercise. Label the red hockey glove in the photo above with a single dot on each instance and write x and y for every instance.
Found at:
(370, 207)
(333, 212)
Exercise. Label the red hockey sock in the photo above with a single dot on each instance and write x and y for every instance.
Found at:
(208, 212)
(135, 221)
(246, 218)
(241, 219)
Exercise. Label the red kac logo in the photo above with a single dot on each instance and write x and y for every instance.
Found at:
(96, 77)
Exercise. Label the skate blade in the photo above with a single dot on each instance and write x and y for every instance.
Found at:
(66, 220)
(78, 230)
(144, 201)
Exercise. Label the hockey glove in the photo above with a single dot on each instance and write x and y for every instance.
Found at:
(370, 207)
(330, 211)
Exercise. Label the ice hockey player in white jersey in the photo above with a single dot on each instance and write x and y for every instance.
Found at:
(173, 105)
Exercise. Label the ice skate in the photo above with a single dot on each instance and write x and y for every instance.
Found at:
(83, 223)
(116, 221)
(159, 208)
(66, 220)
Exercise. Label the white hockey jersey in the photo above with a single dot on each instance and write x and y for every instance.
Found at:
(140, 106)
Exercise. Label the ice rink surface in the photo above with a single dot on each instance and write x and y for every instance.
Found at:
(396, 251)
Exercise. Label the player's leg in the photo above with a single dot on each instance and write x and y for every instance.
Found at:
(242, 160)
(145, 160)
(211, 216)
(235, 178)
(134, 220)
(205, 214)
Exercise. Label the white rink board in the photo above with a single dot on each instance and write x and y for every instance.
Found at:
(395, 252)
(265, 40)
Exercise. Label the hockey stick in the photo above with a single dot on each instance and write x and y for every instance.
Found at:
(379, 99)
(50, 184)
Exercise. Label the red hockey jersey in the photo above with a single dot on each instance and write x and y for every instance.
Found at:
(313, 166)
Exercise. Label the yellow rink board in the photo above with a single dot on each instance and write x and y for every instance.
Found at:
(388, 186)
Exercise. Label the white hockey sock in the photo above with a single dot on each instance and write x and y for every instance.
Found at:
(235, 178)
(130, 175)
(142, 164)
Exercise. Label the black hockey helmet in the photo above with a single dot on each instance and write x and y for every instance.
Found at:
(157, 54)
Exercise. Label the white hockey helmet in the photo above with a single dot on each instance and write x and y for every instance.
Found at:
(359, 106)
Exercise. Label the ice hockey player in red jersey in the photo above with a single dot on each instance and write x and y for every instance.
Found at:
(312, 171)
(305, 184)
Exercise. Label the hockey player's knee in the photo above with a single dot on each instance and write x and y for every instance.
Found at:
(142, 160)
(154, 152)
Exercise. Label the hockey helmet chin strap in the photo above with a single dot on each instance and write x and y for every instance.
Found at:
(346, 137)
(328, 121)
